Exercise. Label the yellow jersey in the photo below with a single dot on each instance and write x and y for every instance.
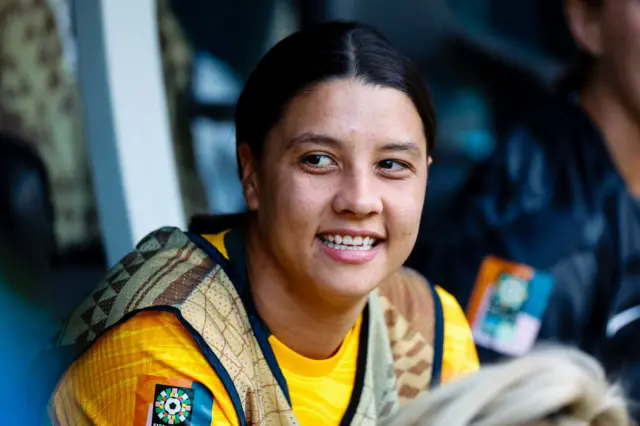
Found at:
(150, 369)
(152, 350)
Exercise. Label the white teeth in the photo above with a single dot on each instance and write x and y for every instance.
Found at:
(343, 247)
(348, 242)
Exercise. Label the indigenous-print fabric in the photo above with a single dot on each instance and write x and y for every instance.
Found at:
(169, 271)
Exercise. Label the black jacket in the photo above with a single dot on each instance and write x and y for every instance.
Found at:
(551, 198)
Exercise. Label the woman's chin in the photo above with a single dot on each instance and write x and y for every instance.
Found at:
(347, 285)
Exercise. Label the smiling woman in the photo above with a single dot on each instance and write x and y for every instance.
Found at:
(301, 314)
(331, 167)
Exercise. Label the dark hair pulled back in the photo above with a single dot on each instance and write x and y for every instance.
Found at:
(321, 53)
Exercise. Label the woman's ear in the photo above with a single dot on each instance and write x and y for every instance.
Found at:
(249, 176)
(584, 23)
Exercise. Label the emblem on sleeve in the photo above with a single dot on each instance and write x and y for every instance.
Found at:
(507, 306)
(172, 405)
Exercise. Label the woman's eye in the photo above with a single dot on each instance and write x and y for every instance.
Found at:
(318, 160)
(392, 165)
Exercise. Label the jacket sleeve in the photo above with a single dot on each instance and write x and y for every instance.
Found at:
(621, 349)
(550, 199)
(130, 372)
(523, 206)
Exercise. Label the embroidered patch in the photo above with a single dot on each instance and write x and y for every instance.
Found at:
(507, 306)
(172, 405)
(164, 401)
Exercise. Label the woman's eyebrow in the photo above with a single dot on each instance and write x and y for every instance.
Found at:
(410, 147)
(312, 138)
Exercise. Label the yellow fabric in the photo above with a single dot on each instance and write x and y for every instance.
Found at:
(217, 240)
(459, 353)
(320, 389)
(154, 343)
(104, 381)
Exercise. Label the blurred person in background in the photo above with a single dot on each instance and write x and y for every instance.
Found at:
(543, 242)
(551, 386)
(298, 312)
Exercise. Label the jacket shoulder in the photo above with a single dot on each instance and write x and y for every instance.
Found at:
(408, 305)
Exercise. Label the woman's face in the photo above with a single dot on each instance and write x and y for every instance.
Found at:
(340, 188)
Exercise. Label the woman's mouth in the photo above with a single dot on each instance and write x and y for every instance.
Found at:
(351, 249)
(348, 242)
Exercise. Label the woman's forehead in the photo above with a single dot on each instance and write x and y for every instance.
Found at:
(351, 111)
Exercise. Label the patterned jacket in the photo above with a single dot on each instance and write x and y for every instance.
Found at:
(413, 335)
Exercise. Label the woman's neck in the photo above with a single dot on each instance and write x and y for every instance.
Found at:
(620, 126)
(305, 322)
